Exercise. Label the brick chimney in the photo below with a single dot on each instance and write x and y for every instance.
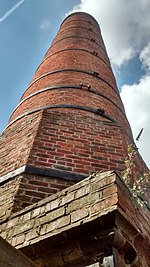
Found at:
(70, 121)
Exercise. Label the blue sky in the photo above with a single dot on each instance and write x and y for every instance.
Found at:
(25, 36)
(27, 28)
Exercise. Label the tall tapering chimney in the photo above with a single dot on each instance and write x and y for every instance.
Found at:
(70, 120)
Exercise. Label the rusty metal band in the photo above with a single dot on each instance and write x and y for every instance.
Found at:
(76, 36)
(98, 111)
(71, 70)
(91, 90)
(77, 27)
(75, 49)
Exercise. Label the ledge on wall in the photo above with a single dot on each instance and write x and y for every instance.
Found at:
(87, 222)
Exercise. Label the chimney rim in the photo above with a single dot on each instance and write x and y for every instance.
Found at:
(80, 13)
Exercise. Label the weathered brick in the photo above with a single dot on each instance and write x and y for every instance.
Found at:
(20, 239)
(36, 213)
(48, 207)
(79, 214)
(23, 227)
(64, 221)
(26, 217)
(32, 234)
(51, 226)
(43, 229)
(51, 216)
(3, 234)
(110, 190)
(80, 203)
(55, 204)
(68, 198)
(12, 222)
(14, 241)
(103, 183)
(104, 204)
(82, 191)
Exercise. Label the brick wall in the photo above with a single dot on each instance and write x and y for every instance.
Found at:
(7, 194)
(78, 206)
(33, 188)
(16, 143)
(76, 142)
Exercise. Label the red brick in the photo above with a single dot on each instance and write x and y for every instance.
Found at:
(110, 190)
(102, 205)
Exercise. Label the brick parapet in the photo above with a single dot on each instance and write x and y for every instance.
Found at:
(84, 195)
(24, 189)
(82, 203)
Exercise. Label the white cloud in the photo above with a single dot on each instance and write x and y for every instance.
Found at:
(45, 24)
(136, 99)
(124, 23)
(10, 11)
(145, 57)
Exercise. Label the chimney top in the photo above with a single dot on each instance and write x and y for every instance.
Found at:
(77, 13)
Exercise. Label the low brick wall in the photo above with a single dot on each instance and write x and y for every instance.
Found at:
(66, 209)
(81, 204)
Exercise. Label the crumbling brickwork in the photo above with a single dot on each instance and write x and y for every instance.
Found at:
(97, 204)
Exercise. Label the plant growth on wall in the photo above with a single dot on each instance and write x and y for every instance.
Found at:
(138, 187)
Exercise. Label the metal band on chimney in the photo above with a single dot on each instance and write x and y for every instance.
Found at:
(98, 111)
(91, 90)
(82, 20)
(77, 36)
(76, 49)
(71, 70)
(76, 27)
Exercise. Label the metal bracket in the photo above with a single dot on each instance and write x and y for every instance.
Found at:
(82, 85)
(100, 111)
(96, 74)
(95, 53)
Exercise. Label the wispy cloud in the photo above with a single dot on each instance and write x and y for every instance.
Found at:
(45, 24)
(10, 11)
